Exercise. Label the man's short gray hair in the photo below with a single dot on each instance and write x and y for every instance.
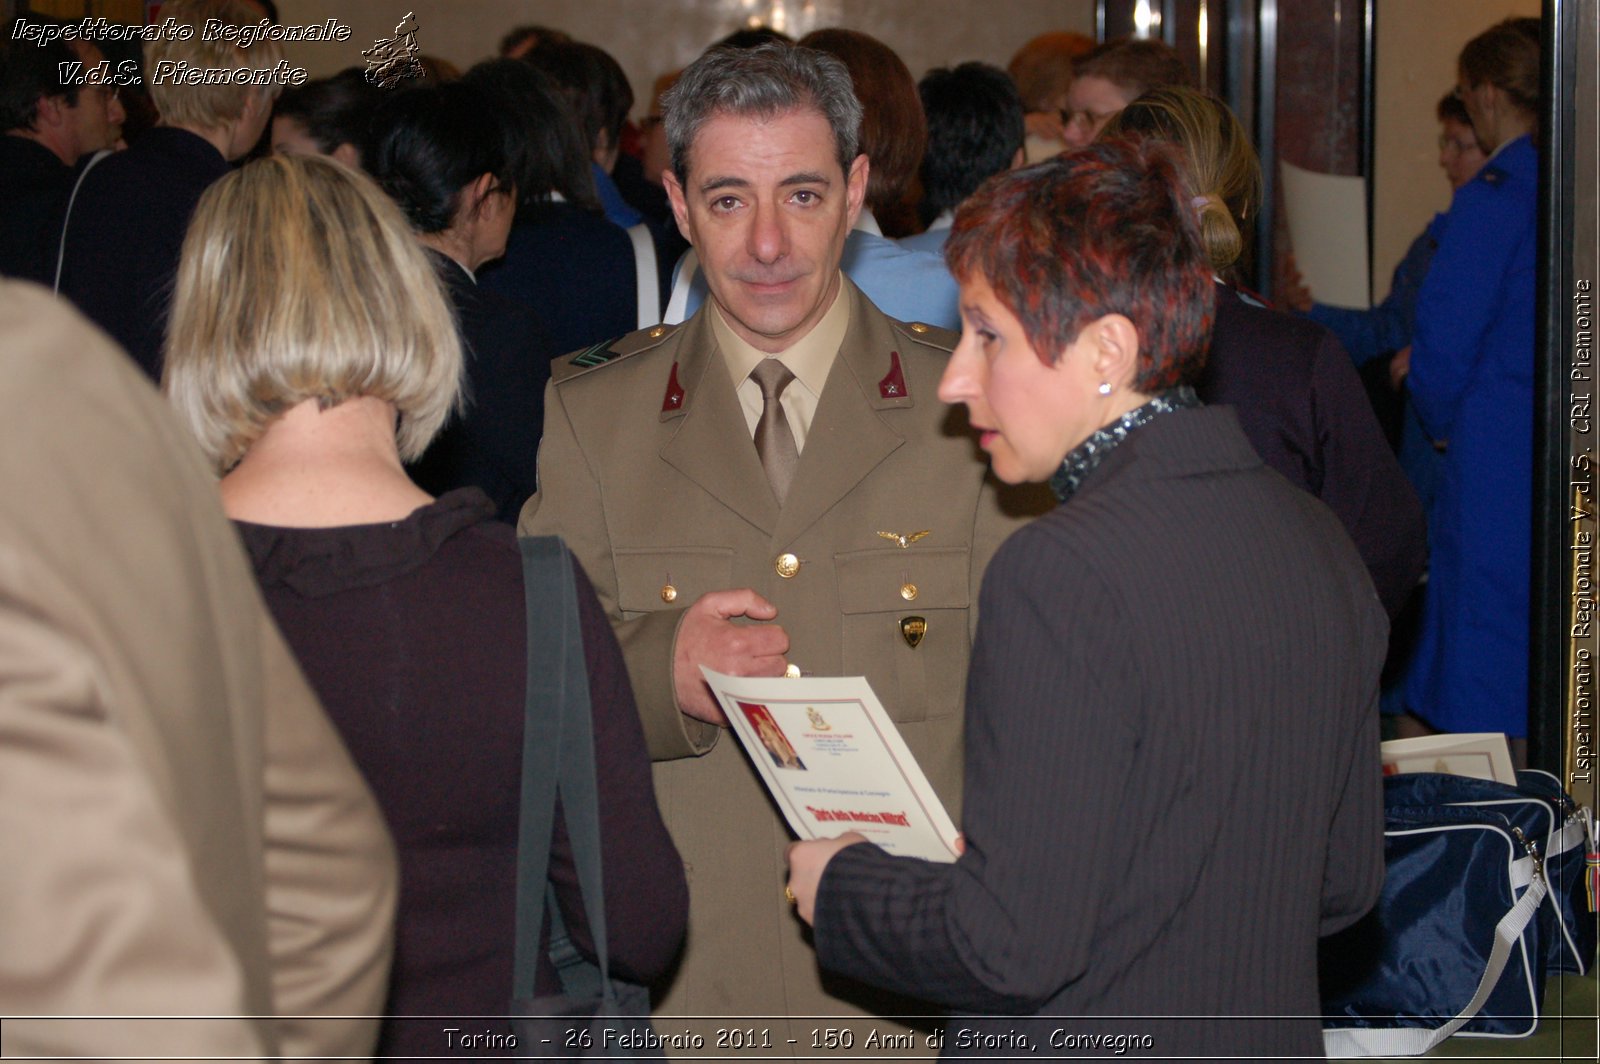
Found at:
(762, 82)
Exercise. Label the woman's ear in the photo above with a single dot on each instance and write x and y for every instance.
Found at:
(1114, 349)
(480, 190)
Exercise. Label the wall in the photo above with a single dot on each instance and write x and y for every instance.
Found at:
(1417, 45)
(651, 37)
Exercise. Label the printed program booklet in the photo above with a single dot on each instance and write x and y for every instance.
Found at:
(1482, 754)
(835, 762)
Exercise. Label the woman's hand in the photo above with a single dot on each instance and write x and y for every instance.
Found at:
(1400, 367)
(807, 862)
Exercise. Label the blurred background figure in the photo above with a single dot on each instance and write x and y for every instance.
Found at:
(574, 269)
(1042, 70)
(1247, 698)
(406, 612)
(118, 262)
(975, 130)
(1383, 333)
(47, 129)
(1471, 380)
(1107, 79)
(186, 836)
(600, 97)
(328, 116)
(442, 152)
(1296, 393)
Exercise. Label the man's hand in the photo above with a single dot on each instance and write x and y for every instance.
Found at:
(707, 636)
(807, 862)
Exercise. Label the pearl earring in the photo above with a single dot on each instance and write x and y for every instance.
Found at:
(1105, 387)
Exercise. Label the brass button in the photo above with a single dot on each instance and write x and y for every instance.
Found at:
(658, 332)
(787, 566)
(669, 593)
(918, 327)
(908, 591)
(792, 671)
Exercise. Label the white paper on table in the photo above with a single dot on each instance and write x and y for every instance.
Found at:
(835, 762)
(1328, 227)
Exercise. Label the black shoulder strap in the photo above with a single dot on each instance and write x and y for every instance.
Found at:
(557, 754)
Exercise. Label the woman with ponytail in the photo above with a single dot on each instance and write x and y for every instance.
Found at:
(1471, 380)
(1298, 396)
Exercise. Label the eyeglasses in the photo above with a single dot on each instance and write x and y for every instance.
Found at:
(1459, 147)
(1087, 119)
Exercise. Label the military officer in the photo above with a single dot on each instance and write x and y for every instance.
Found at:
(772, 486)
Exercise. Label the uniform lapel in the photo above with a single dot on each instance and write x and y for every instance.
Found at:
(847, 439)
(712, 446)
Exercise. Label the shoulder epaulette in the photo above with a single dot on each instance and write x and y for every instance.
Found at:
(930, 335)
(609, 351)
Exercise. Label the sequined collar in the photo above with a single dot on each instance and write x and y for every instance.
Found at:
(1084, 458)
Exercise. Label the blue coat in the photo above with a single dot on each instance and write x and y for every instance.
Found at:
(1472, 384)
(1385, 329)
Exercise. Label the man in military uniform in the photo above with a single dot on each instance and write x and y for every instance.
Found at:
(780, 458)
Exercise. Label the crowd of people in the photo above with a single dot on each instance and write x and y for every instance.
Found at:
(837, 360)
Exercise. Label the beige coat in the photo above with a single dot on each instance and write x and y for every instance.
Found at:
(649, 472)
(183, 832)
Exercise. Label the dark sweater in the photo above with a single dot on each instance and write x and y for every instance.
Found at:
(1305, 411)
(126, 231)
(413, 635)
(34, 184)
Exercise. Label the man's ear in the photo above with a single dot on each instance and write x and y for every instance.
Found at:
(680, 206)
(856, 186)
(1114, 349)
(348, 154)
(50, 111)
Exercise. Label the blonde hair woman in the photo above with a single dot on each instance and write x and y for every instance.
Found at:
(138, 201)
(1299, 399)
(312, 349)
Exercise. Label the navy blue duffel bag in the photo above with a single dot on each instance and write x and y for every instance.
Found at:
(1483, 897)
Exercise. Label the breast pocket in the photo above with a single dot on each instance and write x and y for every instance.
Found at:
(669, 578)
(905, 626)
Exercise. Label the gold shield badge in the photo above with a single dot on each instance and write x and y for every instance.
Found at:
(912, 629)
(817, 721)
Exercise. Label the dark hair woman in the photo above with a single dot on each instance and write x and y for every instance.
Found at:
(564, 260)
(442, 153)
(1185, 632)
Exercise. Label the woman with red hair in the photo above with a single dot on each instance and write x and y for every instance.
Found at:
(1171, 706)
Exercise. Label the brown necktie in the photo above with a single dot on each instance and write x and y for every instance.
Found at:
(774, 438)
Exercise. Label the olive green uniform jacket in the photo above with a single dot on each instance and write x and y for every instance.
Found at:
(648, 471)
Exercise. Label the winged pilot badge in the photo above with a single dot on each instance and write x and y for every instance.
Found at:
(905, 539)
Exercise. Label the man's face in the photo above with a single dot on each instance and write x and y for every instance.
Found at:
(767, 209)
(95, 121)
(1091, 103)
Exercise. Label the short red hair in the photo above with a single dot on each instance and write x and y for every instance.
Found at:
(1105, 229)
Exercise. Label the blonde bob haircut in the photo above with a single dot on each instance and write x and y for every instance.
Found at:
(301, 280)
(1218, 162)
(203, 106)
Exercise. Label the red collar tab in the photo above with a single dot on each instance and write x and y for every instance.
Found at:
(673, 399)
(893, 385)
